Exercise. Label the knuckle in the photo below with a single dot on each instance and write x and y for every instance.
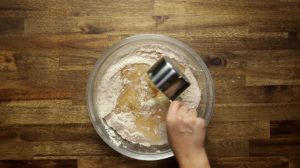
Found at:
(176, 102)
(179, 118)
(201, 122)
(193, 120)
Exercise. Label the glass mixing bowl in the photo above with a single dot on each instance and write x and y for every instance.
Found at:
(115, 53)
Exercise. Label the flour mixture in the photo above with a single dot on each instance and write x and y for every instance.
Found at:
(125, 91)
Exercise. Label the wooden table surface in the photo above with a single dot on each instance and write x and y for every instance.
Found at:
(48, 48)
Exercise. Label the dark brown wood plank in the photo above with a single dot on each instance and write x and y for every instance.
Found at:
(7, 62)
(294, 162)
(227, 147)
(11, 25)
(34, 93)
(267, 26)
(207, 25)
(78, 60)
(39, 83)
(204, 7)
(79, 97)
(81, 7)
(121, 161)
(42, 115)
(47, 132)
(275, 147)
(58, 149)
(37, 103)
(254, 41)
(37, 60)
(285, 128)
(97, 42)
(250, 10)
(35, 78)
(271, 58)
(250, 162)
(272, 68)
(118, 162)
(256, 111)
(57, 43)
(272, 76)
(38, 163)
(88, 24)
(239, 130)
(235, 91)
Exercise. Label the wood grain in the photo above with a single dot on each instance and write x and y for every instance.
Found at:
(11, 25)
(39, 163)
(118, 162)
(294, 162)
(250, 162)
(48, 48)
(274, 147)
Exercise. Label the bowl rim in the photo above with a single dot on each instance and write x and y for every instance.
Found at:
(106, 54)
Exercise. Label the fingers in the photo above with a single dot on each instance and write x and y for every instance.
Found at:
(180, 111)
(201, 122)
(192, 113)
(174, 106)
(183, 111)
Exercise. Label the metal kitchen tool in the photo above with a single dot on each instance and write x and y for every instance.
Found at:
(167, 77)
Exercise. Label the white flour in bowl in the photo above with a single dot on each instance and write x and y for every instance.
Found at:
(123, 91)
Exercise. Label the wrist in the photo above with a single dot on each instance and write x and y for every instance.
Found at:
(194, 160)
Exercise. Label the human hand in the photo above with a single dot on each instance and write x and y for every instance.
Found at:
(186, 133)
